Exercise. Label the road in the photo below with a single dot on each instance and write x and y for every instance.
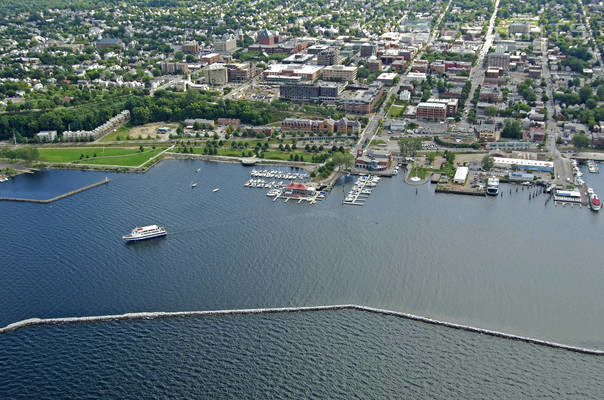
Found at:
(372, 126)
(477, 74)
(562, 168)
(591, 36)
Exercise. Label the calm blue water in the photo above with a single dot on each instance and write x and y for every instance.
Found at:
(509, 264)
(334, 354)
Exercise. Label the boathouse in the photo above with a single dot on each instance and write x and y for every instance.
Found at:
(296, 189)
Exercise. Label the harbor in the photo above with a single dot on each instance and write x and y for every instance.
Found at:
(361, 190)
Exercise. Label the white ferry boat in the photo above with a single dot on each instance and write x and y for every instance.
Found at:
(145, 232)
(493, 186)
(594, 202)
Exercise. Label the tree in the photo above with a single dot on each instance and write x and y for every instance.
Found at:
(512, 129)
(487, 163)
(343, 160)
(581, 141)
(490, 111)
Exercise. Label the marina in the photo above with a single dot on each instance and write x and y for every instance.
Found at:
(361, 190)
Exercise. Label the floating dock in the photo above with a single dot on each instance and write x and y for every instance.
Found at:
(104, 181)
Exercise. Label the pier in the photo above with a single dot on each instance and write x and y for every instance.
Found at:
(62, 196)
(360, 192)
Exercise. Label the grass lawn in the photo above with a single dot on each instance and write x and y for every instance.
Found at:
(420, 172)
(271, 154)
(130, 156)
(396, 111)
(376, 142)
(122, 132)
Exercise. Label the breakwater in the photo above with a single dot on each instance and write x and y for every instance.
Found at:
(62, 196)
(187, 314)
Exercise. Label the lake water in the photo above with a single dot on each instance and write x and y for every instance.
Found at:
(510, 264)
(333, 354)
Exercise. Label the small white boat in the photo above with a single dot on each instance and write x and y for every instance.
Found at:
(198, 169)
(193, 185)
(215, 190)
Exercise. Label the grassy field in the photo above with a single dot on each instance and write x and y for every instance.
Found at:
(125, 156)
(396, 111)
(122, 132)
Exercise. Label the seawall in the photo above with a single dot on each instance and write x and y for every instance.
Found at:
(249, 311)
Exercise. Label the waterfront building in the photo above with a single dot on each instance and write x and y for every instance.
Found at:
(526, 165)
(519, 176)
(297, 189)
(373, 160)
(461, 175)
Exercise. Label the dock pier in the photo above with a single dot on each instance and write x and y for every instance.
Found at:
(62, 196)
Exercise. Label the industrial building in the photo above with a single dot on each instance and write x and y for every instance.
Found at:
(525, 165)
(461, 175)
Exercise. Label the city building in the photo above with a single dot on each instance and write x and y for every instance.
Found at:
(302, 72)
(216, 74)
(431, 111)
(339, 73)
(303, 91)
(266, 37)
(374, 64)
(108, 42)
(225, 44)
(328, 57)
(364, 100)
(518, 27)
(210, 58)
(174, 67)
(190, 47)
(368, 50)
(451, 104)
(499, 58)
(387, 78)
(240, 72)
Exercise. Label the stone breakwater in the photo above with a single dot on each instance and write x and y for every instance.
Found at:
(187, 314)
(62, 196)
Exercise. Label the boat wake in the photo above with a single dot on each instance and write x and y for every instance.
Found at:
(246, 311)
